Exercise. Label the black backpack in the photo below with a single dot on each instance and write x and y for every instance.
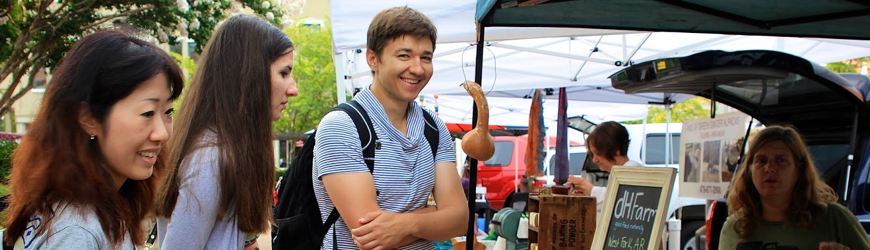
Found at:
(297, 214)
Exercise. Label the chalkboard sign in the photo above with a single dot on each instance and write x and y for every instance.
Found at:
(635, 208)
(631, 222)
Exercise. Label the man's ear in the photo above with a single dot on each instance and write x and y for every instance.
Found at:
(87, 121)
(372, 60)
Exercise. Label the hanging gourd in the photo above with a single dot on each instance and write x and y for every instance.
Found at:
(478, 143)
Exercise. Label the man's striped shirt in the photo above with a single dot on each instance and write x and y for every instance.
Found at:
(404, 168)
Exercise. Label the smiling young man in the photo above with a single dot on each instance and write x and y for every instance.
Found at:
(387, 209)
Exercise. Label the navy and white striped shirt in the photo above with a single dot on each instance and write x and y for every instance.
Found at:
(404, 168)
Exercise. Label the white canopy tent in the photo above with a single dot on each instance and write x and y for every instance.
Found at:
(515, 112)
(508, 111)
(520, 59)
(517, 60)
(453, 18)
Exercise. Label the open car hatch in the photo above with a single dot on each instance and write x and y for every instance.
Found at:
(772, 87)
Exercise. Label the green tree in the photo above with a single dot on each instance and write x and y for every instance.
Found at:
(34, 34)
(840, 67)
(188, 65)
(314, 72)
(7, 146)
(692, 109)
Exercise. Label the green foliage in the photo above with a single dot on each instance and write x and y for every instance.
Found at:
(35, 34)
(279, 172)
(206, 14)
(6, 149)
(188, 65)
(4, 190)
(314, 72)
(692, 109)
(11, 124)
(840, 67)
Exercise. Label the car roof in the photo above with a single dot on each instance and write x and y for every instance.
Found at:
(772, 87)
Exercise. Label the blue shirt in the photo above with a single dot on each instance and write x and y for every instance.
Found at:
(404, 167)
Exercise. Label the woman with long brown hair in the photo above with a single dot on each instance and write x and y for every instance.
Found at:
(217, 193)
(84, 174)
(778, 201)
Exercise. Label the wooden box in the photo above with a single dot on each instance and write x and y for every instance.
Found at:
(534, 210)
(564, 222)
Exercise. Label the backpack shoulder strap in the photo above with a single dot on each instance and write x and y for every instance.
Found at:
(333, 217)
(369, 138)
(361, 120)
(431, 132)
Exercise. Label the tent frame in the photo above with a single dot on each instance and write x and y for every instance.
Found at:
(486, 10)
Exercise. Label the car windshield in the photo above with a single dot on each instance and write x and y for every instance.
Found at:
(502, 157)
(575, 163)
(793, 89)
(655, 149)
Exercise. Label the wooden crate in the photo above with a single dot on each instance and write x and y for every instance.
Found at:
(534, 209)
(565, 222)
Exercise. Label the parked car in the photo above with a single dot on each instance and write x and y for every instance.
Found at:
(831, 112)
(576, 159)
(502, 174)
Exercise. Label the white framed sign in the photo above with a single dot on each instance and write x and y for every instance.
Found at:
(635, 208)
(709, 151)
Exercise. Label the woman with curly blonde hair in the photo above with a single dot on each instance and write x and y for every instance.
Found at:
(779, 201)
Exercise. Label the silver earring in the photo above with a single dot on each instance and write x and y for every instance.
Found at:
(93, 137)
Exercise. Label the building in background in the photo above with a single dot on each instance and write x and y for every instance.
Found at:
(24, 110)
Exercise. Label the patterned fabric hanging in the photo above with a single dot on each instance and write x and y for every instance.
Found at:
(535, 152)
(561, 175)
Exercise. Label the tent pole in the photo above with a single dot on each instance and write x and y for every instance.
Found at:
(669, 137)
(472, 163)
(593, 50)
(340, 77)
(633, 52)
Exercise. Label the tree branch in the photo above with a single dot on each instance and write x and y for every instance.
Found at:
(7, 95)
(112, 17)
(38, 20)
(62, 18)
(31, 79)
(20, 54)
(20, 43)
(34, 64)
(79, 9)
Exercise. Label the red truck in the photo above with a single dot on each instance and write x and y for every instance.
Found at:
(501, 174)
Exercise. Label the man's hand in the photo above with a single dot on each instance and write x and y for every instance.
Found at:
(579, 185)
(382, 230)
